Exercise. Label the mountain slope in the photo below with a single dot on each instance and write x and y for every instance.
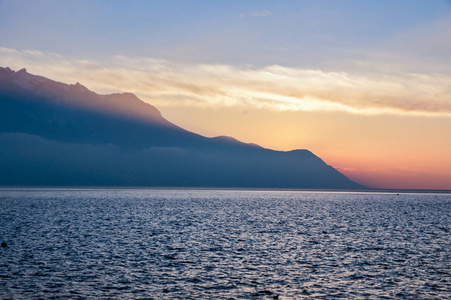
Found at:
(57, 134)
(72, 113)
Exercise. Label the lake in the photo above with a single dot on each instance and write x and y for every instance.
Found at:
(223, 244)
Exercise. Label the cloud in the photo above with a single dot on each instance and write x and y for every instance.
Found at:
(8, 50)
(274, 87)
(88, 64)
(257, 13)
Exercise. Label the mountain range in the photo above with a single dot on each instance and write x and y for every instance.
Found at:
(57, 134)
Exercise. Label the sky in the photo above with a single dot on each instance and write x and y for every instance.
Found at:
(365, 85)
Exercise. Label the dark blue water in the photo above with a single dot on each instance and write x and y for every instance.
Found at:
(222, 244)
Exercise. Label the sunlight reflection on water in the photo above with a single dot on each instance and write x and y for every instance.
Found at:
(223, 244)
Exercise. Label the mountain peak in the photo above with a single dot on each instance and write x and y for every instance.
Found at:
(77, 95)
(6, 72)
(22, 78)
(80, 88)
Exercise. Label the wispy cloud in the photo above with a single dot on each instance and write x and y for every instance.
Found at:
(165, 83)
(257, 13)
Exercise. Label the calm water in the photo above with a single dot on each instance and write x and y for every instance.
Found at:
(207, 244)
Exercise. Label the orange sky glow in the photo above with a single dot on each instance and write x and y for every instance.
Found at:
(378, 151)
(366, 86)
(379, 143)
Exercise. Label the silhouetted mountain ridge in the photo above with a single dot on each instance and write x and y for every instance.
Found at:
(53, 133)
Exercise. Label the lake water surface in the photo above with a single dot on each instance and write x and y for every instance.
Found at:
(223, 244)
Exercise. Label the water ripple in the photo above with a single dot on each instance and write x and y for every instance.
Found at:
(188, 244)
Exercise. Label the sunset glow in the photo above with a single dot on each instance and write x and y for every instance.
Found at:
(366, 88)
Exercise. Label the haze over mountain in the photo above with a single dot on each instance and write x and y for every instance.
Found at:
(52, 133)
